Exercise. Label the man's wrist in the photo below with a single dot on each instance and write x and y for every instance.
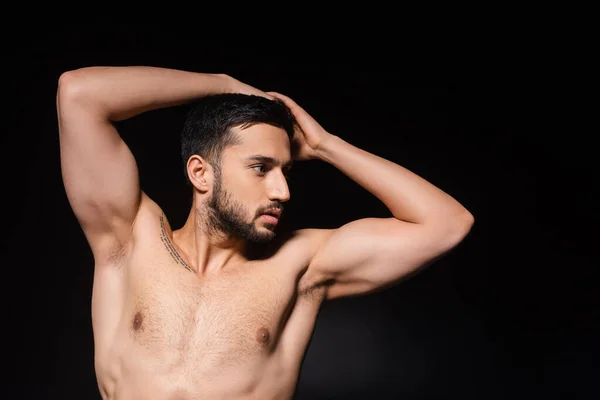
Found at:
(326, 147)
(226, 83)
(217, 83)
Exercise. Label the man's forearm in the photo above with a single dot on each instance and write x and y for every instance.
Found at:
(122, 92)
(408, 196)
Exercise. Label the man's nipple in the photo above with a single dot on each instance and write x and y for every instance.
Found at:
(263, 336)
(137, 321)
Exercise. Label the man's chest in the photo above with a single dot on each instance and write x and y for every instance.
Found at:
(234, 317)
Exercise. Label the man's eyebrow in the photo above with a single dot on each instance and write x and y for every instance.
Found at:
(269, 160)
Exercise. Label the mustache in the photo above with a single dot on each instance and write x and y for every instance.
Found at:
(275, 206)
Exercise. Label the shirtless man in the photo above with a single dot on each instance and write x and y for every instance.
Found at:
(195, 313)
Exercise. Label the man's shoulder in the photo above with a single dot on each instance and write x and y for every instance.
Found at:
(150, 217)
(313, 238)
(306, 240)
(297, 249)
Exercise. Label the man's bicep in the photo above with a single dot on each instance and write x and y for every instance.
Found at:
(370, 254)
(99, 173)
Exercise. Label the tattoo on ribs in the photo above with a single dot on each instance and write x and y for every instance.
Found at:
(164, 237)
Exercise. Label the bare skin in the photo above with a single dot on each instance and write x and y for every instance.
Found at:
(192, 313)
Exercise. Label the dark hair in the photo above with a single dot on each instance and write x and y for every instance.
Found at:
(207, 127)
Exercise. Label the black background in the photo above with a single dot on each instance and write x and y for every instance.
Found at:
(510, 313)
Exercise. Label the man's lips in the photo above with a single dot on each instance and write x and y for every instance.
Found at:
(269, 218)
(271, 215)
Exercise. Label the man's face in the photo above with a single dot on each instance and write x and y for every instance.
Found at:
(252, 183)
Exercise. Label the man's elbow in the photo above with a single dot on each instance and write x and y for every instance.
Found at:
(460, 227)
(70, 87)
(80, 85)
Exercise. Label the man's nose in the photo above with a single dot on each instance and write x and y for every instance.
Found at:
(279, 190)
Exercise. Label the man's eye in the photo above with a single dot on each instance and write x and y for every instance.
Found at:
(261, 168)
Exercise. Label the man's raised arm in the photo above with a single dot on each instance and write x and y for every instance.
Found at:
(371, 254)
(98, 170)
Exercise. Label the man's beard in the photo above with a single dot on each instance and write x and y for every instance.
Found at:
(226, 216)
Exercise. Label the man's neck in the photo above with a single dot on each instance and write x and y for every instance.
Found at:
(209, 252)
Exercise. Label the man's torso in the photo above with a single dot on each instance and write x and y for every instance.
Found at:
(161, 332)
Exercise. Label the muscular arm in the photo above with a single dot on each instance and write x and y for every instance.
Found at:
(99, 171)
(372, 253)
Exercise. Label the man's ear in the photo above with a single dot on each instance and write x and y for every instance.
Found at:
(200, 173)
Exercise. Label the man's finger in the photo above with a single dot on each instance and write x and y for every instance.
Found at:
(289, 102)
(281, 96)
